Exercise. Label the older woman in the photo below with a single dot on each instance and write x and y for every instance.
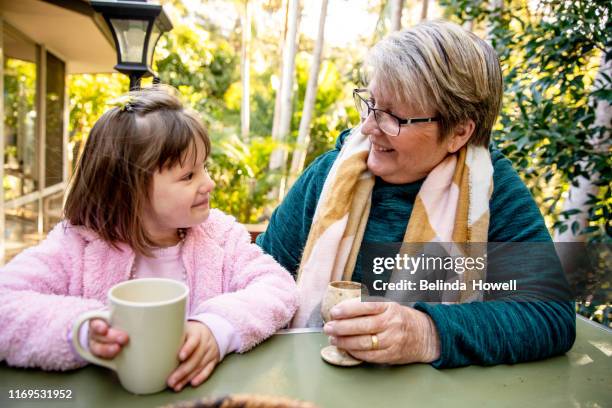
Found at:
(418, 169)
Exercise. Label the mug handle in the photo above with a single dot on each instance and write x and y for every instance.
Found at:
(86, 354)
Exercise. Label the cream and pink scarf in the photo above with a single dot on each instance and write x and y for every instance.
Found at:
(451, 206)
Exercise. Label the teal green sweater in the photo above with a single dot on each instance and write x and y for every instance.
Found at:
(475, 333)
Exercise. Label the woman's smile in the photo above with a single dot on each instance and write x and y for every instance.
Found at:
(381, 149)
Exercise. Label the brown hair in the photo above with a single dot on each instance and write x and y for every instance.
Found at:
(149, 131)
(441, 66)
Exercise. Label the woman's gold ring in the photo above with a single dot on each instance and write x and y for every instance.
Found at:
(374, 341)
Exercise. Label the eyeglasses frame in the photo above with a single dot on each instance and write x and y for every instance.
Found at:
(400, 121)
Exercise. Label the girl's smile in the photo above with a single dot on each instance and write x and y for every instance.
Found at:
(202, 202)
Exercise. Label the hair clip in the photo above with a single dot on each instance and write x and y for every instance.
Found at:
(124, 103)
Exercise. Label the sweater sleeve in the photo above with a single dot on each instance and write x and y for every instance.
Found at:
(259, 296)
(510, 331)
(226, 335)
(39, 306)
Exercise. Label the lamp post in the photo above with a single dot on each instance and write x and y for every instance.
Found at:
(136, 26)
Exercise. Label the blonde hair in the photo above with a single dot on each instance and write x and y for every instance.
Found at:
(149, 131)
(440, 66)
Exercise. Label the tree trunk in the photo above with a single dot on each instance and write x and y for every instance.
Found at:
(396, 14)
(299, 154)
(245, 112)
(579, 195)
(277, 99)
(496, 7)
(424, 10)
(279, 155)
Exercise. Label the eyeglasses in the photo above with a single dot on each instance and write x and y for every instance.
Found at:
(386, 121)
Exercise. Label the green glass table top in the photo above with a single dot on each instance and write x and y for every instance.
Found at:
(289, 365)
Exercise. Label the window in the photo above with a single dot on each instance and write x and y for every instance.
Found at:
(20, 154)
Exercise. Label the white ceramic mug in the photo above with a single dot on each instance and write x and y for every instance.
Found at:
(152, 312)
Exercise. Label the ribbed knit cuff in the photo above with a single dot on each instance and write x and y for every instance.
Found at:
(440, 325)
(226, 336)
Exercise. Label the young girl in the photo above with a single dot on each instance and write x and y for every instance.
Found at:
(138, 207)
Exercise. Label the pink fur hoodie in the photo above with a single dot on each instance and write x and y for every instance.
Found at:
(45, 288)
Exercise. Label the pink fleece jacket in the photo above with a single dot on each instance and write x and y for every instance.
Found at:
(46, 287)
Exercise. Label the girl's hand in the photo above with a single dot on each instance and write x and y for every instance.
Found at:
(199, 356)
(105, 341)
(404, 335)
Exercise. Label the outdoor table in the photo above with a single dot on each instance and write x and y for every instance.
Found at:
(289, 365)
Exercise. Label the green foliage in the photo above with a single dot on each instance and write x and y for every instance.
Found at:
(240, 171)
(550, 53)
(329, 115)
(600, 313)
(200, 65)
(19, 127)
(88, 99)
(19, 90)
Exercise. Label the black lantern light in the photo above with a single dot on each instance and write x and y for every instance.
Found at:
(136, 26)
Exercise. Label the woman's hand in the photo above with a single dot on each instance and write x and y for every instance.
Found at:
(105, 341)
(404, 335)
(199, 356)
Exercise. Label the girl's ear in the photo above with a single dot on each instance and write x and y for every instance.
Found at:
(461, 135)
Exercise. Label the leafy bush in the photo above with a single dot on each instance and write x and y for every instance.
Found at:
(550, 53)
